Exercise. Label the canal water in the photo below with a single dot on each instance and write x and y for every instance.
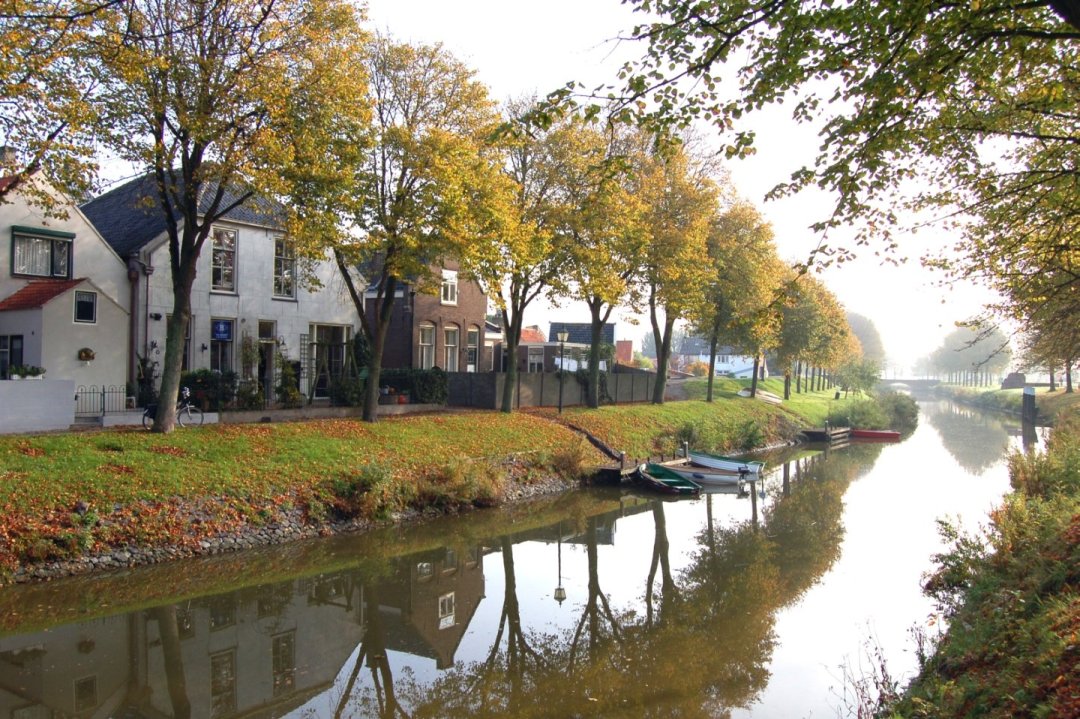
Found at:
(603, 602)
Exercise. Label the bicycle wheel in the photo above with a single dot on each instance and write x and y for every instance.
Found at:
(189, 416)
(148, 419)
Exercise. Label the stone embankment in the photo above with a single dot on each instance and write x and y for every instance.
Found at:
(292, 527)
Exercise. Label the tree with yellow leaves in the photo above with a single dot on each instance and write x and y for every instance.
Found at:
(430, 186)
(223, 103)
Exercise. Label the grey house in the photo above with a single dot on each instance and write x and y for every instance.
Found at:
(251, 306)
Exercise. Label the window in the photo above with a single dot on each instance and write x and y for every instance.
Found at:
(284, 663)
(86, 698)
(449, 287)
(11, 354)
(446, 611)
(425, 570)
(327, 351)
(536, 359)
(223, 260)
(40, 253)
(221, 345)
(223, 683)
(284, 268)
(450, 341)
(472, 349)
(222, 612)
(85, 306)
(427, 346)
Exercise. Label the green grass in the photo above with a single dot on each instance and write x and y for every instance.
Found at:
(63, 495)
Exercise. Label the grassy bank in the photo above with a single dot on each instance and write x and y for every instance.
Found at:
(1012, 598)
(71, 495)
(1050, 404)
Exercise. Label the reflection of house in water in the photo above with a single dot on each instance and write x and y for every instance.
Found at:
(427, 605)
(262, 651)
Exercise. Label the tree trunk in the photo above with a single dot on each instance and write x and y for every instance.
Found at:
(787, 383)
(798, 377)
(175, 332)
(1068, 376)
(592, 398)
(753, 382)
(173, 658)
(663, 344)
(714, 340)
(1053, 386)
(377, 340)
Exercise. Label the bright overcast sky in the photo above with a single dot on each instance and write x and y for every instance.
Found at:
(519, 48)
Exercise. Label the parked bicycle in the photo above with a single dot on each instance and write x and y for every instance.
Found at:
(187, 414)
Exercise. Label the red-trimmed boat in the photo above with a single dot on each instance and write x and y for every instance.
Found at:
(882, 435)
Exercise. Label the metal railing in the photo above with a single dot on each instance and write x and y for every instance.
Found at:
(97, 400)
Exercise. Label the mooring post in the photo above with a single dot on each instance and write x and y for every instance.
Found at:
(1028, 410)
(622, 460)
(686, 450)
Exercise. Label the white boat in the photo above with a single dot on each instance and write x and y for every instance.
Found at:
(726, 464)
(708, 477)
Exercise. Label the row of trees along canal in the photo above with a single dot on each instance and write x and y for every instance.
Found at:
(393, 157)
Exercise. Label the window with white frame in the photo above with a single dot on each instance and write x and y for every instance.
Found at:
(85, 307)
(427, 346)
(283, 658)
(450, 344)
(223, 260)
(222, 683)
(446, 611)
(40, 253)
(536, 359)
(449, 287)
(284, 267)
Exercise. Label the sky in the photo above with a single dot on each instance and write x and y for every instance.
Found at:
(519, 48)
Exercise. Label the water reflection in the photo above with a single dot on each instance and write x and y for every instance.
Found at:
(670, 610)
(975, 439)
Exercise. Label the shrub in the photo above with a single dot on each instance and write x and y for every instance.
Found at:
(368, 491)
(346, 392)
(698, 369)
(749, 435)
(901, 410)
(864, 414)
(424, 386)
(210, 389)
(288, 386)
(249, 395)
(461, 484)
(571, 461)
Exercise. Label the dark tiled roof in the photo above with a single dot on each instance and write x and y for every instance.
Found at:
(700, 346)
(6, 181)
(581, 332)
(129, 216)
(37, 293)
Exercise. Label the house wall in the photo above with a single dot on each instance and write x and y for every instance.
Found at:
(63, 338)
(28, 324)
(36, 405)
(411, 310)
(252, 301)
(91, 256)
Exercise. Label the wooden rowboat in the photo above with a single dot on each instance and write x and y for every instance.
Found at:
(887, 435)
(709, 477)
(728, 464)
(661, 479)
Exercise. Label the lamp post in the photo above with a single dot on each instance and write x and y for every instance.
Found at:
(562, 335)
(560, 592)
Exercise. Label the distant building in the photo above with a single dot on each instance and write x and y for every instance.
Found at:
(730, 361)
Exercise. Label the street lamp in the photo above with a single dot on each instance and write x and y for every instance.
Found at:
(560, 592)
(562, 335)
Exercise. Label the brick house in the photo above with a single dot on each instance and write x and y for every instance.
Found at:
(444, 330)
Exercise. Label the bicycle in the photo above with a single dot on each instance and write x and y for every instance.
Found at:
(187, 414)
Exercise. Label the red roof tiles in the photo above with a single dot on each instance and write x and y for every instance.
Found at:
(531, 334)
(37, 293)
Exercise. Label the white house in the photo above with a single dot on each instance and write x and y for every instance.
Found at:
(730, 361)
(249, 302)
(64, 299)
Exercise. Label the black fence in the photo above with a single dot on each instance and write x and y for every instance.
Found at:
(96, 400)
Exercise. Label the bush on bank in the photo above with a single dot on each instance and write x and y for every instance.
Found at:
(1012, 600)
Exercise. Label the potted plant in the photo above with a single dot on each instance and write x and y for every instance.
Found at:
(32, 372)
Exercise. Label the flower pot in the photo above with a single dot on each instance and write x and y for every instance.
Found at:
(403, 399)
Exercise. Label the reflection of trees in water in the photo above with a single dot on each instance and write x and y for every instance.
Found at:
(698, 647)
(975, 439)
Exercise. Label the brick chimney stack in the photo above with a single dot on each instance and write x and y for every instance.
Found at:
(8, 160)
